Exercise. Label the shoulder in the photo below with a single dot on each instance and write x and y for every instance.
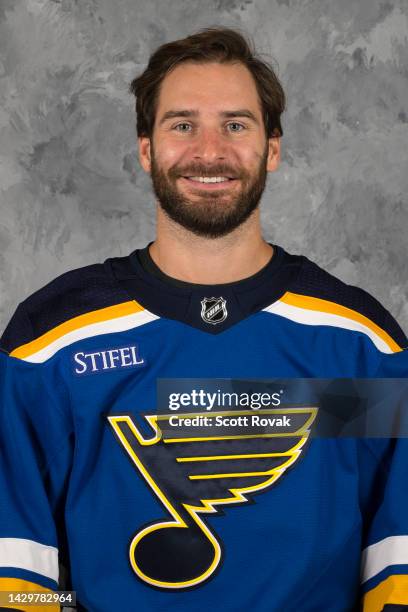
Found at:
(316, 297)
(67, 298)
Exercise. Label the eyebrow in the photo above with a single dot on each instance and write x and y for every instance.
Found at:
(230, 114)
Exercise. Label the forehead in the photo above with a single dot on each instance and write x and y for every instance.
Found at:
(210, 86)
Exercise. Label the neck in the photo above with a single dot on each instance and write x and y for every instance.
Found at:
(209, 261)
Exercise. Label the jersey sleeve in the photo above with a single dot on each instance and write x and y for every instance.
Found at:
(36, 445)
(385, 556)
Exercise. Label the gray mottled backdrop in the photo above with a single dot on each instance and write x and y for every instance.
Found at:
(72, 192)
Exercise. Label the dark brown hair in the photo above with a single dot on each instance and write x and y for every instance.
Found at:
(214, 44)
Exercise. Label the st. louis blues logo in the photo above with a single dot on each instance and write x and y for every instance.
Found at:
(194, 473)
(214, 310)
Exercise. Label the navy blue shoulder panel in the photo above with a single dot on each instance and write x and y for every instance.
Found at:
(121, 279)
(313, 281)
(69, 295)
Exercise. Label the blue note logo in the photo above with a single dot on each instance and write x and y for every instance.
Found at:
(197, 473)
(107, 360)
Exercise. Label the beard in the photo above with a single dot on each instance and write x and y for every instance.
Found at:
(209, 214)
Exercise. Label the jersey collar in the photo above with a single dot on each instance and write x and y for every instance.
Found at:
(209, 308)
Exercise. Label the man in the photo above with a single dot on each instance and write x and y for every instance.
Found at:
(138, 515)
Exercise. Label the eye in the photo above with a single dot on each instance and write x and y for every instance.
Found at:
(237, 127)
(179, 127)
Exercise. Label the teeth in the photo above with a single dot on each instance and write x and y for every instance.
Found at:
(209, 179)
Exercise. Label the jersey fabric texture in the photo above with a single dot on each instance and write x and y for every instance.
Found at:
(83, 486)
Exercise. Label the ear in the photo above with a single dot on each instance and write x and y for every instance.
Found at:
(144, 153)
(273, 153)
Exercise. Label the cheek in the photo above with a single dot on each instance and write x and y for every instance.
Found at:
(248, 153)
(170, 153)
(250, 159)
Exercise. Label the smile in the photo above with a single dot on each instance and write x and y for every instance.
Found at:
(208, 179)
(209, 182)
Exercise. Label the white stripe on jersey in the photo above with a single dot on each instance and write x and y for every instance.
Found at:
(378, 556)
(315, 317)
(116, 324)
(29, 555)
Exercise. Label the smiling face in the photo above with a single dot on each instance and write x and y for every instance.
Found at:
(209, 155)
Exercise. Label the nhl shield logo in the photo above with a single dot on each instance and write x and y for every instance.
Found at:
(214, 310)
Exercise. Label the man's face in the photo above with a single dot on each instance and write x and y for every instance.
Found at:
(209, 124)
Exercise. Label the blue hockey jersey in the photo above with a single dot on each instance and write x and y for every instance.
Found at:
(89, 479)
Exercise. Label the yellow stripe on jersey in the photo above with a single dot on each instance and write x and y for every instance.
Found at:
(318, 304)
(393, 590)
(102, 315)
(16, 585)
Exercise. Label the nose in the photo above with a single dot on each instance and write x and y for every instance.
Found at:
(210, 146)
